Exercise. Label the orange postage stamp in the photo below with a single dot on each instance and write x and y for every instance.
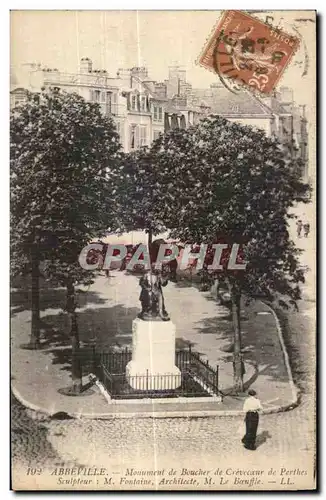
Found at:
(248, 51)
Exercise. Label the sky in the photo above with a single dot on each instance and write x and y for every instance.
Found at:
(156, 39)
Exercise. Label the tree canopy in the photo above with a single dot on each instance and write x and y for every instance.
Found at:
(65, 160)
(140, 193)
(225, 180)
(64, 156)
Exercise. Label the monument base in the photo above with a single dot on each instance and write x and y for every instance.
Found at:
(153, 366)
(141, 380)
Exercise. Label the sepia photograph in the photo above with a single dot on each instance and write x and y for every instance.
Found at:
(163, 250)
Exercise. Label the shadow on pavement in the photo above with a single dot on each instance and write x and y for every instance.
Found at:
(50, 298)
(106, 327)
(262, 438)
(259, 342)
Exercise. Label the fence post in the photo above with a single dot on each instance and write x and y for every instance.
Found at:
(146, 380)
(217, 378)
(125, 359)
(94, 360)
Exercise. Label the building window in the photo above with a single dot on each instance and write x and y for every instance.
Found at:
(142, 135)
(143, 103)
(119, 130)
(138, 103)
(138, 136)
(190, 118)
(97, 96)
(158, 113)
(18, 98)
(134, 103)
(133, 137)
(114, 103)
(107, 101)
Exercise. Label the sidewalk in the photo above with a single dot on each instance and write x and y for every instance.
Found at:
(308, 245)
(106, 315)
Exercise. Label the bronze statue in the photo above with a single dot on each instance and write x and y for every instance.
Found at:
(151, 297)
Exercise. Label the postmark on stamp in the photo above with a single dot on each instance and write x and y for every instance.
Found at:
(248, 51)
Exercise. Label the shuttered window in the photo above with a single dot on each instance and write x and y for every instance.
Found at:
(138, 136)
(134, 102)
(142, 135)
(158, 113)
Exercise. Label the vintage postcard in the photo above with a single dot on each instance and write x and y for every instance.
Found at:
(163, 250)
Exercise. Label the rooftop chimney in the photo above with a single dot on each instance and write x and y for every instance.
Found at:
(160, 89)
(86, 65)
(216, 85)
(140, 71)
(286, 95)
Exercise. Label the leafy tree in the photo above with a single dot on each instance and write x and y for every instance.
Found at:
(64, 270)
(225, 180)
(140, 194)
(65, 163)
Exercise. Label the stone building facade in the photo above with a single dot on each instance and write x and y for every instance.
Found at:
(143, 108)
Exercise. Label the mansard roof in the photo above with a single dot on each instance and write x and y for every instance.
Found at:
(224, 102)
(149, 91)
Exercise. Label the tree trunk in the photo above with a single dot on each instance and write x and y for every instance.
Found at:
(238, 367)
(76, 369)
(150, 238)
(34, 342)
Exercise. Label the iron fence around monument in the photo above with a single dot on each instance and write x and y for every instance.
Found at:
(121, 386)
(197, 378)
(115, 362)
(199, 369)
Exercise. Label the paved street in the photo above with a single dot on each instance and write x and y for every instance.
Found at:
(118, 444)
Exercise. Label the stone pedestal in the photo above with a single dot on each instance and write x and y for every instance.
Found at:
(153, 356)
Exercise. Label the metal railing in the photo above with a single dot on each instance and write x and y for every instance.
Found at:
(114, 362)
(191, 361)
(120, 386)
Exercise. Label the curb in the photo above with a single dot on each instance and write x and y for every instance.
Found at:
(153, 414)
(182, 413)
(294, 390)
(27, 404)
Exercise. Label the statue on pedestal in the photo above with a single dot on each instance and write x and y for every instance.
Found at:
(153, 339)
(151, 297)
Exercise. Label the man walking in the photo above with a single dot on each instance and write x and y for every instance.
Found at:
(299, 228)
(251, 407)
(306, 229)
